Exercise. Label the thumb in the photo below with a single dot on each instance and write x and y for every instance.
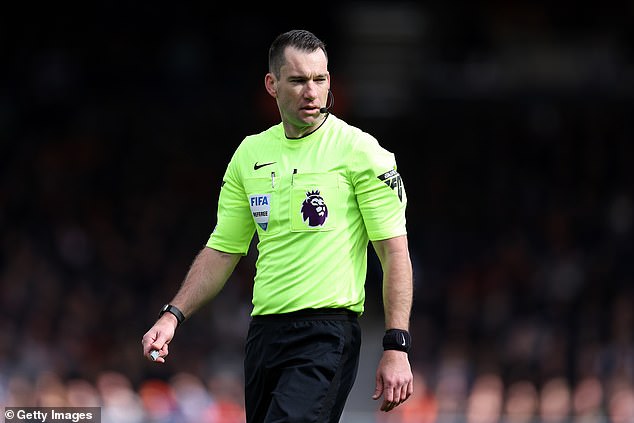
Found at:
(378, 390)
(161, 340)
(154, 339)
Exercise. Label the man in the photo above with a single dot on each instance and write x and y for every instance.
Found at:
(317, 191)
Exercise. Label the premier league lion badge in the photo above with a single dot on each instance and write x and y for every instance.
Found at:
(314, 209)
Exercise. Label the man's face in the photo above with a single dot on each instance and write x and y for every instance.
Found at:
(301, 90)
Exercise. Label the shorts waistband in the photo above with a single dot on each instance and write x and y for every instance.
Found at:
(309, 314)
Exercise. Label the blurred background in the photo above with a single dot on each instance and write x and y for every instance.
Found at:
(512, 127)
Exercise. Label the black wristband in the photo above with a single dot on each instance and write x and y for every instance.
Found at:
(168, 308)
(397, 339)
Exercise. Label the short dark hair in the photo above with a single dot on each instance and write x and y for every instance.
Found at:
(298, 38)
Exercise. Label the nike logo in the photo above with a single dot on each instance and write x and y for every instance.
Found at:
(256, 166)
(402, 339)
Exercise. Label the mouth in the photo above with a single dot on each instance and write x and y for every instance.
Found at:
(310, 108)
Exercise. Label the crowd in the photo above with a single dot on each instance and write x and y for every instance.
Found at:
(520, 219)
(524, 285)
(185, 397)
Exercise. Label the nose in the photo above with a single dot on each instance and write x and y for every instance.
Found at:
(311, 92)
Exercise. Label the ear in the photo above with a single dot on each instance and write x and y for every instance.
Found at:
(270, 85)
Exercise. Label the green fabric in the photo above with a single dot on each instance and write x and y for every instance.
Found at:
(308, 260)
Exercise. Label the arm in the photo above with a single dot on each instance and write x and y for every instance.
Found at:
(206, 277)
(394, 380)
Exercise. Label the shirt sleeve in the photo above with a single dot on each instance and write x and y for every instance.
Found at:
(379, 190)
(234, 225)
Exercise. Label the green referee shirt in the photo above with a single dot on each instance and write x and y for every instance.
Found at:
(315, 203)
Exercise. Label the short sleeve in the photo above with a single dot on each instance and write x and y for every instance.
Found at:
(234, 226)
(379, 190)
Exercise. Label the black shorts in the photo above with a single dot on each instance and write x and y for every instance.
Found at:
(300, 367)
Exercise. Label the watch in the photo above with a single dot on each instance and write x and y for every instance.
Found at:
(168, 308)
(397, 339)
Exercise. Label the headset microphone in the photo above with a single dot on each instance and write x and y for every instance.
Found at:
(331, 98)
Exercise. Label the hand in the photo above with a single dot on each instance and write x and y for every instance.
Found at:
(394, 379)
(159, 336)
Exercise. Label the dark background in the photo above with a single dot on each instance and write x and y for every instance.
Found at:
(512, 127)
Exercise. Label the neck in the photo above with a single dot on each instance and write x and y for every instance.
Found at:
(294, 132)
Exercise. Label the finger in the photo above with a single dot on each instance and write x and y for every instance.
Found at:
(387, 406)
(154, 350)
(146, 342)
(403, 393)
(158, 344)
(396, 396)
(378, 390)
(152, 340)
(158, 355)
(155, 356)
(410, 389)
(388, 399)
(164, 351)
(389, 395)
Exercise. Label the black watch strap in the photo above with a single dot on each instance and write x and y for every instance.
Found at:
(168, 308)
(397, 339)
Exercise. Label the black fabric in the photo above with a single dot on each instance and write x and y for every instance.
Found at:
(300, 368)
(397, 339)
(309, 314)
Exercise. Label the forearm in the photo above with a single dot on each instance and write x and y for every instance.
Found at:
(205, 278)
(397, 282)
(394, 380)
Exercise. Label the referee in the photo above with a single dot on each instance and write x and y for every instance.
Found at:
(317, 191)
